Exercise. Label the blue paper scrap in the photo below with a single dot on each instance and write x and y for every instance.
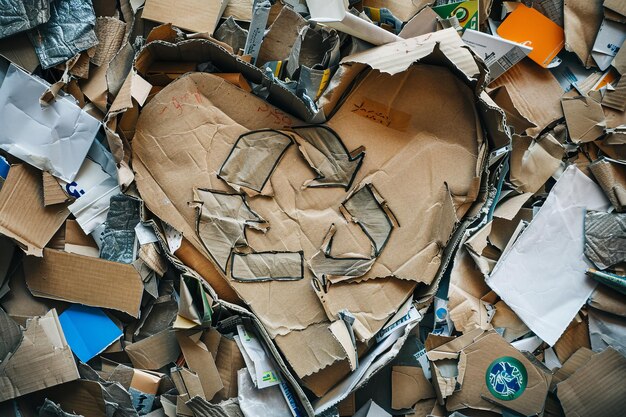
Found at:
(88, 330)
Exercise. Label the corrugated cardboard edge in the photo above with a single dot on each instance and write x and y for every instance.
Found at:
(71, 266)
(52, 191)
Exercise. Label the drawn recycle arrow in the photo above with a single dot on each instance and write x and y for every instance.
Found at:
(327, 155)
(223, 217)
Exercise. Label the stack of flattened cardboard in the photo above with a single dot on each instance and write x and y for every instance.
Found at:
(312, 208)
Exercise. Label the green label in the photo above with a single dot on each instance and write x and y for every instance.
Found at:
(506, 378)
(269, 376)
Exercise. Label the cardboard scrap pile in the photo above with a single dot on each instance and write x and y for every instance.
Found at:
(227, 208)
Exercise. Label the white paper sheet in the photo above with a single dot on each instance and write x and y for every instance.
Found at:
(333, 13)
(542, 276)
(53, 138)
(498, 53)
(610, 38)
(92, 208)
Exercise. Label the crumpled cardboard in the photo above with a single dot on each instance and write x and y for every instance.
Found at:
(529, 84)
(453, 193)
(582, 19)
(579, 397)
(42, 359)
(483, 359)
(584, 117)
(611, 176)
(316, 207)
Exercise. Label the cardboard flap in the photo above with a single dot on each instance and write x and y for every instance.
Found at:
(52, 191)
(487, 358)
(586, 392)
(43, 359)
(396, 57)
(24, 216)
(582, 19)
(305, 360)
(154, 352)
(341, 333)
(200, 360)
(533, 162)
(408, 386)
(192, 15)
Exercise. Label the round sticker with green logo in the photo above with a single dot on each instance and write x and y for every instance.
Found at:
(506, 378)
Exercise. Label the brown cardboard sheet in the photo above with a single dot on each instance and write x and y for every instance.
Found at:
(23, 215)
(200, 361)
(584, 117)
(42, 359)
(529, 84)
(154, 352)
(582, 19)
(177, 150)
(52, 191)
(85, 280)
(408, 386)
(192, 15)
(480, 356)
(597, 388)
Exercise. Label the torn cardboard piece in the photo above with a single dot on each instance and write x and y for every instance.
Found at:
(192, 15)
(405, 131)
(491, 374)
(584, 117)
(582, 20)
(611, 176)
(530, 276)
(533, 162)
(154, 352)
(200, 361)
(43, 359)
(605, 235)
(579, 397)
(23, 216)
(408, 386)
(52, 191)
(528, 84)
(85, 280)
